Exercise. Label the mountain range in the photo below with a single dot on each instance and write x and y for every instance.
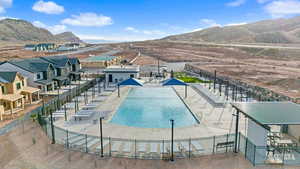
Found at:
(16, 30)
(266, 31)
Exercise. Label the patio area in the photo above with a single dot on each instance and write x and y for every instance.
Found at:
(268, 139)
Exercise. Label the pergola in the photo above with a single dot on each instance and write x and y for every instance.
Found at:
(175, 82)
(264, 114)
(129, 82)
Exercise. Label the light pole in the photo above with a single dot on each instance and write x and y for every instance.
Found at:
(172, 139)
(101, 136)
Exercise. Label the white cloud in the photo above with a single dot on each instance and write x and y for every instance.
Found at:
(119, 38)
(263, 1)
(209, 23)
(6, 17)
(49, 7)
(153, 32)
(146, 32)
(131, 29)
(5, 4)
(55, 29)
(236, 24)
(236, 3)
(88, 19)
(281, 8)
(197, 29)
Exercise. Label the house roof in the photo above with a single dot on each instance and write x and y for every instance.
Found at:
(7, 77)
(57, 61)
(74, 60)
(32, 64)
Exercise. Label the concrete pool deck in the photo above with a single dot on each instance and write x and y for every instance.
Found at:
(213, 121)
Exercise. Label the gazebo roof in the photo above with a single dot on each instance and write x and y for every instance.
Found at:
(174, 82)
(271, 113)
(130, 82)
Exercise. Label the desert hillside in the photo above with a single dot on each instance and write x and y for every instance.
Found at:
(16, 30)
(267, 31)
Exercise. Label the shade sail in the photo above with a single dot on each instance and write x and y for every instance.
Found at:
(174, 82)
(271, 113)
(130, 82)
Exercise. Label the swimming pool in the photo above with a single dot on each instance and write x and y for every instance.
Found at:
(153, 107)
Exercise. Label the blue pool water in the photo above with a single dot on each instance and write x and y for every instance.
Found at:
(149, 107)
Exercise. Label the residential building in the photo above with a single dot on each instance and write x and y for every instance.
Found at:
(46, 73)
(15, 93)
(76, 70)
(63, 68)
(39, 72)
(44, 47)
(118, 73)
(29, 47)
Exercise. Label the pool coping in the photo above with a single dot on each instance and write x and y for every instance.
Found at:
(186, 105)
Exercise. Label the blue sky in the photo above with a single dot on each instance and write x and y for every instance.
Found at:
(123, 20)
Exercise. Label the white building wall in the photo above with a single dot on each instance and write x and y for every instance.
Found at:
(119, 77)
(29, 75)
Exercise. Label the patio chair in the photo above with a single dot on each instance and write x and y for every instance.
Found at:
(197, 145)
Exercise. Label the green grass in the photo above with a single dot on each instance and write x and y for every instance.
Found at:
(188, 79)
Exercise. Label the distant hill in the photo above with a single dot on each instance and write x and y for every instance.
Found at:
(16, 30)
(267, 31)
(68, 37)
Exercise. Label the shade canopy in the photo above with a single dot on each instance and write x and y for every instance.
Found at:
(271, 113)
(130, 82)
(174, 82)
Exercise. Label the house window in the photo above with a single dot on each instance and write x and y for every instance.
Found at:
(3, 89)
(22, 82)
(38, 76)
(18, 86)
(131, 75)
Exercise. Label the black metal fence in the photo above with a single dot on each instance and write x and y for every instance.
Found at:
(264, 155)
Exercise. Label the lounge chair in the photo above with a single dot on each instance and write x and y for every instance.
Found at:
(142, 147)
(185, 145)
(116, 146)
(126, 147)
(105, 142)
(197, 145)
(165, 148)
(153, 147)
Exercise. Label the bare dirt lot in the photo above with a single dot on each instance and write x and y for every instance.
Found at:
(274, 69)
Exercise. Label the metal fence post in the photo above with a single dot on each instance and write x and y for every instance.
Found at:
(52, 128)
(283, 158)
(135, 148)
(254, 154)
(227, 142)
(246, 147)
(109, 146)
(239, 141)
(163, 142)
(190, 148)
(86, 149)
(67, 144)
(214, 144)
